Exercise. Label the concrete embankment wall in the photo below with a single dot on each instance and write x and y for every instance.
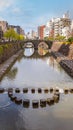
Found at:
(64, 55)
(7, 50)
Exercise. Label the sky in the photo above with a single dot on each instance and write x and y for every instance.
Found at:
(29, 14)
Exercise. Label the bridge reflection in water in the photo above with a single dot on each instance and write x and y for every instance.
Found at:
(29, 49)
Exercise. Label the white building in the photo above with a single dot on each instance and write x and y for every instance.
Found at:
(62, 25)
(49, 27)
(46, 32)
(56, 26)
(66, 32)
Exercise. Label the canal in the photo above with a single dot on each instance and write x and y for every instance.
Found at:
(32, 70)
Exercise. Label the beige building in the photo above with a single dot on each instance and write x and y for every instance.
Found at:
(4, 26)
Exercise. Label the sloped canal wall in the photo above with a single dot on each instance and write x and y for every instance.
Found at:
(63, 53)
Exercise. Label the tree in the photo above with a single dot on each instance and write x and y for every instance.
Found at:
(70, 39)
(21, 37)
(46, 38)
(10, 34)
(60, 38)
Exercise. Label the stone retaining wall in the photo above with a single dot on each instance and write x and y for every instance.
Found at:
(65, 49)
(7, 50)
(9, 63)
(64, 55)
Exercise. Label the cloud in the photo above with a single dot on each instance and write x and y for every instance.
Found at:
(5, 4)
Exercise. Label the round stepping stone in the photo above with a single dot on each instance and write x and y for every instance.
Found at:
(33, 90)
(71, 90)
(46, 90)
(56, 98)
(66, 91)
(39, 90)
(25, 90)
(50, 101)
(35, 103)
(51, 90)
(43, 103)
(17, 90)
(2, 90)
(18, 101)
(56, 90)
(26, 103)
(10, 89)
(57, 93)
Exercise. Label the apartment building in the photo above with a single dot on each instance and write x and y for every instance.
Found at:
(41, 32)
(60, 24)
(17, 29)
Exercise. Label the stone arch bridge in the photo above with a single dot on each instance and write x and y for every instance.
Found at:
(37, 42)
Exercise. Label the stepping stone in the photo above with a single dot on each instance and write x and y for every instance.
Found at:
(46, 90)
(10, 89)
(17, 90)
(56, 90)
(35, 103)
(33, 90)
(39, 90)
(71, 90)
(50, 101)
(2, 90)
(26, 103)
(66, 91)
(18, 101)
(25, 90)
(57, 93)
(56, 98)
(43, 103)
(51, 90)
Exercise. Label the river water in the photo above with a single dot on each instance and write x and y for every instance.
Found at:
(36, 71)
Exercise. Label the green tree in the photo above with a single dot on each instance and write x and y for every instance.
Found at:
(10, 34)
(46, 38)
(60, 38)
(22, 37)
(70, 39)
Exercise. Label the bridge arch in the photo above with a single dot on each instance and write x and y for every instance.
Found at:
(28, 44)
(37, 42)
